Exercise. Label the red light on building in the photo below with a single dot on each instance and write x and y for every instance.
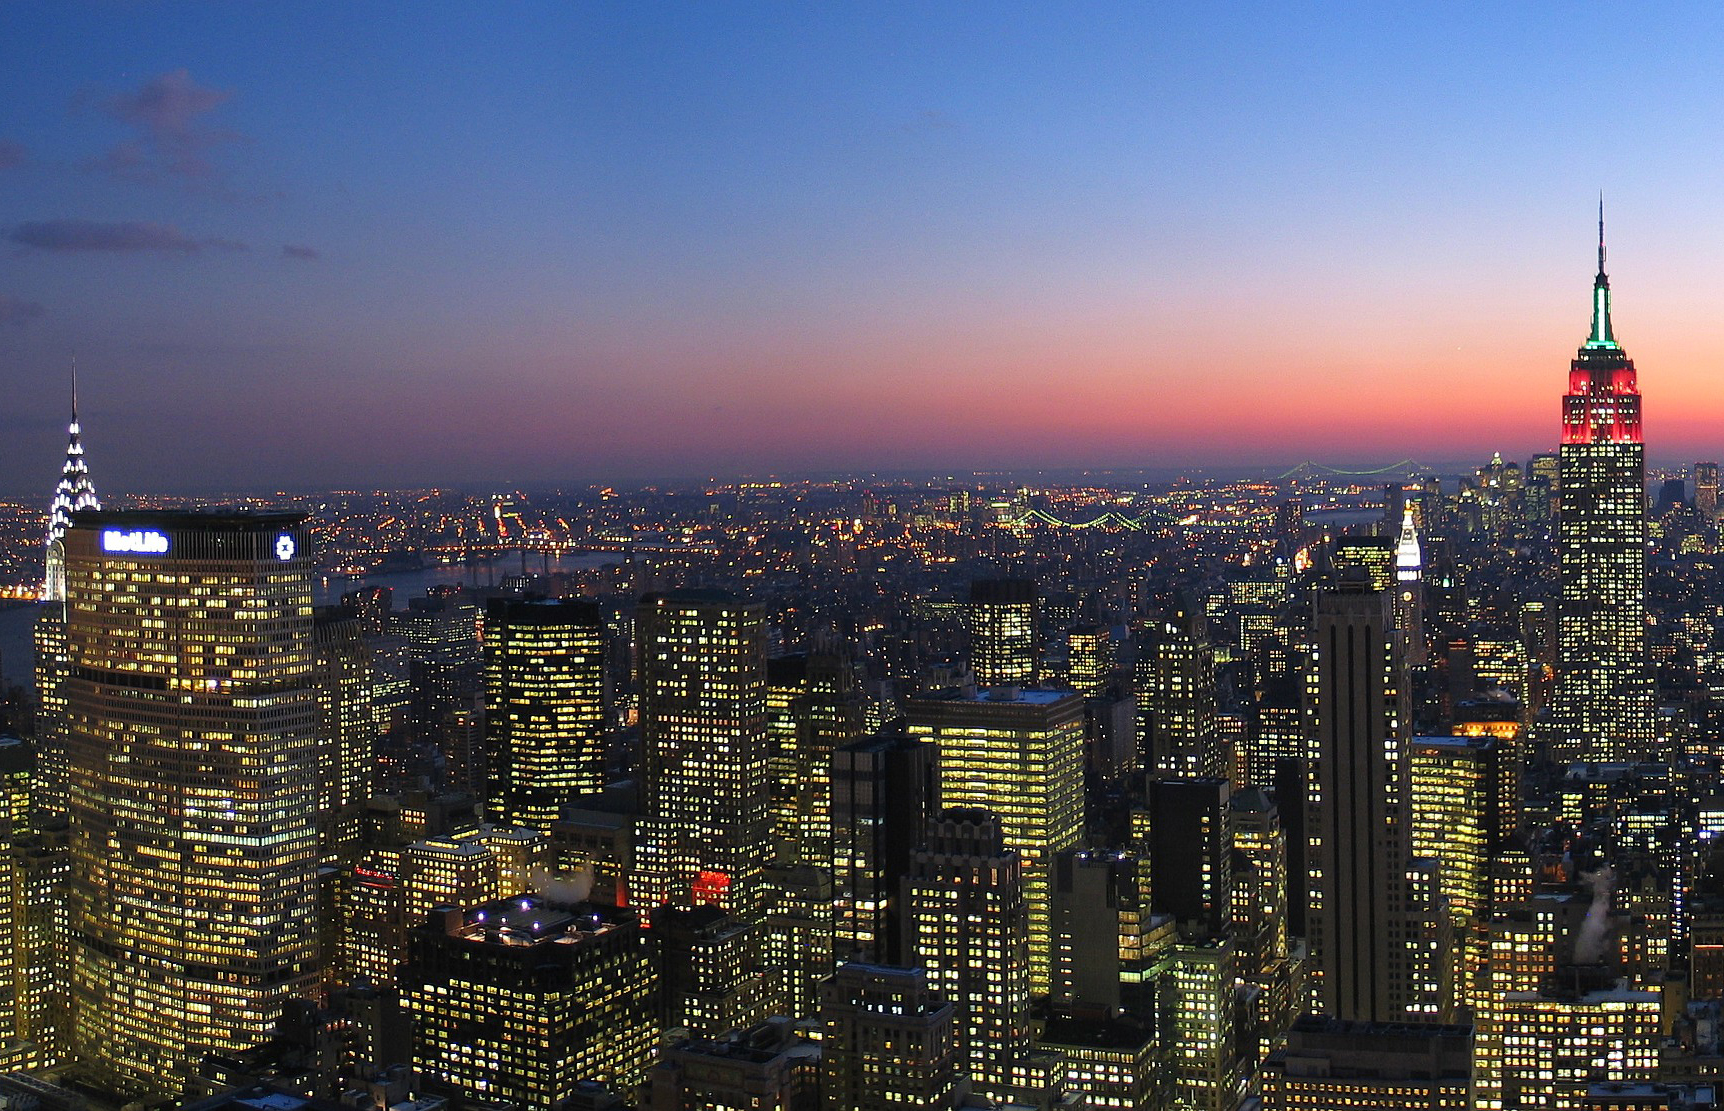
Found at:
(712, 887)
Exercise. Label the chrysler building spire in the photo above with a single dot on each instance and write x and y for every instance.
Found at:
(74, 492)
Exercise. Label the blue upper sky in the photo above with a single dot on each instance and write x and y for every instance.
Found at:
(300, 244)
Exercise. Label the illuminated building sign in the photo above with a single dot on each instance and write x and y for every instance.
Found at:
(284, 547)
(137, 541)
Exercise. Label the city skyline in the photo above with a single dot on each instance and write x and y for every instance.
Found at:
(599, 245)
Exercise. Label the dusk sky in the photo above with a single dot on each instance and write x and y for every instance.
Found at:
(302, 245)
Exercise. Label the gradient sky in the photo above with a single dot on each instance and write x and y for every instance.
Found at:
(312, 244)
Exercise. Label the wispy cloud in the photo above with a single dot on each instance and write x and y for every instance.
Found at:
(11, 154)
(17, 311)
(308, 253)
(91, 235)
(173, 137)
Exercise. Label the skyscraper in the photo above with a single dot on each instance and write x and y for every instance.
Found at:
(1410, 591)
(1004, 646)
(544, 707)
(884, 790)
(192, 786)
(1706, 490)
(1356, 801)
(74, 492)
(1603, 705)
(1177, 735)
(1018, 754)
(966, 922)
(705, 781)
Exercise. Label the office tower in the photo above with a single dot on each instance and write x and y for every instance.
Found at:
(1277, 731)
(1198, 981)
(797, 933)
(520, 1000)
(1101, 963)
(382, 894)
(712, 976)
(1410, 592)
(885, 788)
(1563, 1008)
(544, 707)
(193, 786)
(20, 1024)
(1018, 754)
(1542, 479)
(460, 737)
(768, 1067)
(1189, 850)
(42, 865)
(1110, 1061)
(1269, 969)
(1359, 928)
(1005, 648)
(1603, 705)
(1462, 792)
(1332, 1063)
(815, 706)
(51, 670)
(75, 492)
(966, 922)
(346, 731)
(1176, 728)
(1090, 650)
(1545, 1048)
(442, 634)
(1375, 555)
(1706, 490)
(705, 788)
(889, 1042)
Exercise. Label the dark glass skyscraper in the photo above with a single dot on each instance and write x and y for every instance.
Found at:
(1603, 707)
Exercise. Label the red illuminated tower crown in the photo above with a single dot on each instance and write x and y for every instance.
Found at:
(1603, 402)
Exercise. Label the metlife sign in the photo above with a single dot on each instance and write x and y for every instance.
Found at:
(135, 541)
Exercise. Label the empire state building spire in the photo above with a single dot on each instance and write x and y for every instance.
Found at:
(1601, 335)
(74, 492)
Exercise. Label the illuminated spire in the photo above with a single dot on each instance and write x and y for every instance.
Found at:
(1409, 560)
(74, 492)
(1601, 333)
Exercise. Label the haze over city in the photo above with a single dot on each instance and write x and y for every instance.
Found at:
(567, 243)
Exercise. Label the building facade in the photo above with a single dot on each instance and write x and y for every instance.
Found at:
(191, 726)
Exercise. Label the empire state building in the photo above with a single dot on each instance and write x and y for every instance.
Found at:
(1603, 708)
